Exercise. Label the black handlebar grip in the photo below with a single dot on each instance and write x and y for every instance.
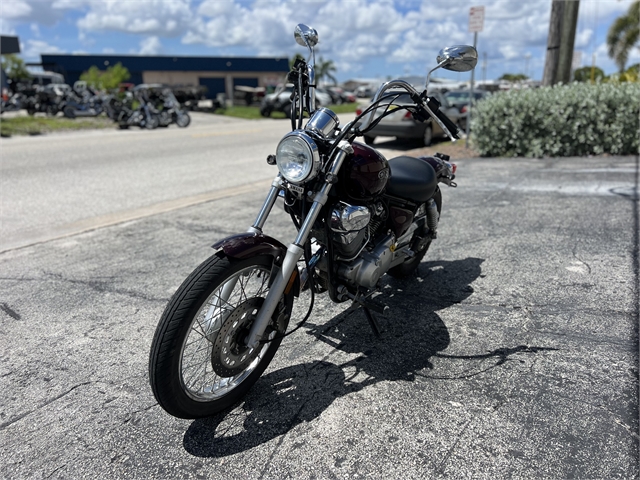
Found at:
(452, 127)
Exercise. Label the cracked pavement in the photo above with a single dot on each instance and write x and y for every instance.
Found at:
(513, 353)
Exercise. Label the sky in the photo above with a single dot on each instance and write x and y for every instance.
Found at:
(364, 38)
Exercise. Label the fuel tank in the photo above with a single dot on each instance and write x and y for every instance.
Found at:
(364, 174)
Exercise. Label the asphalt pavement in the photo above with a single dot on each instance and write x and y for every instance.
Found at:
(513, 353)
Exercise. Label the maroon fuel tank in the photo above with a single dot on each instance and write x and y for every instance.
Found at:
(364, 174)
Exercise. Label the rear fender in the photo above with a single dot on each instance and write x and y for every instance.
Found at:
(245, 245)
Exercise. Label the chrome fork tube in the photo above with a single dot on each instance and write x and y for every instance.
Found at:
(295, 250)
(269, 202)
(217, 308)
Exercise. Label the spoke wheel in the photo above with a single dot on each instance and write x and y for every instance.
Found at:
(410, 265)
(199, 364)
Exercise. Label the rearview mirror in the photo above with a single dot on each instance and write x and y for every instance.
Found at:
(458, 58)
(306, 36)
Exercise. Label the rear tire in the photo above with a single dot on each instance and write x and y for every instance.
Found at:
(407, 268)
(185, 352)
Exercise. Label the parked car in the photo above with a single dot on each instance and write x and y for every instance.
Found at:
(401, 123)
(280, 101)
(460, 100)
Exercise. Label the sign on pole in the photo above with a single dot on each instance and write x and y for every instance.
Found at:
(476, 19)
(576, 62)
(476, 23)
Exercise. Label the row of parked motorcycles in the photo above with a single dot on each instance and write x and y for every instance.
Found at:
(145, 106)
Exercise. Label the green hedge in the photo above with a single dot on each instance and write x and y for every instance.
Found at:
(560, 121)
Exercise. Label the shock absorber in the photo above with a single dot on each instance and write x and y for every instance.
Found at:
(432, 217)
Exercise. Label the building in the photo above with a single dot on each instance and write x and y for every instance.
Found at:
(8, 45)
(218, 74)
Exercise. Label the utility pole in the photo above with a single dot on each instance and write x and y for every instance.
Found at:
(553, 43)
(569, 25)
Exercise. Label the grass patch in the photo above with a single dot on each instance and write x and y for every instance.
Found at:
(344, 108)
(243, 111)
(40, 125)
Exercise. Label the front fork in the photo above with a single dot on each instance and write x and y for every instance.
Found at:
(295, 249)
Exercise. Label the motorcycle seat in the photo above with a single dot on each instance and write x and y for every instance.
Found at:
(411, 178)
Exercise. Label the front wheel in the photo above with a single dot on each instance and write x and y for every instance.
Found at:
(183, 120)
(199, 364)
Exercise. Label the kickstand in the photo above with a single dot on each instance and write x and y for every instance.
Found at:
(373, 323)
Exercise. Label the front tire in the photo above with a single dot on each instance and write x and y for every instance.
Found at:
(186, 359)
(183, 120)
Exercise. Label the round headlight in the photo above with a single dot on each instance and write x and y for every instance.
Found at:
(297, 157)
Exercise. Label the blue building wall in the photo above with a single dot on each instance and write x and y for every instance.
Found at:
(72, 66)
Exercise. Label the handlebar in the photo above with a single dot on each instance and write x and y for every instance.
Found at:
(431, 107)
(435, 107)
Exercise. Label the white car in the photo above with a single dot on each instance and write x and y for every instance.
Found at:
(280, 101)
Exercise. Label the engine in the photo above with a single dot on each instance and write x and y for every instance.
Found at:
(354, 229)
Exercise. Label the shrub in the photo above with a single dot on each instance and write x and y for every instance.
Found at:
(560, 121)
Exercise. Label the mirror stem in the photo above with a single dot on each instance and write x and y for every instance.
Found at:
(440, 65)
(312, 81)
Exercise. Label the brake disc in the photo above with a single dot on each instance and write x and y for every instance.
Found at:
(230, 356)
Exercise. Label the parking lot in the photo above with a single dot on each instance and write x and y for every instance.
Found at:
(513, 353)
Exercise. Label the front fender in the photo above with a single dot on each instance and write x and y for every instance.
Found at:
(245, 245)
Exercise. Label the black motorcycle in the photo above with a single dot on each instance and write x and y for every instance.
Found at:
(170, 111)
(358, 217)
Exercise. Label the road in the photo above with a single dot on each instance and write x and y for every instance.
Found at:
(512, 354)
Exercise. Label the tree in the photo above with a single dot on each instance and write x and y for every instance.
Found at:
(514, 77)
(623, 35)
(14, 68)
(584, 74)
(325, 68)
(106, 80)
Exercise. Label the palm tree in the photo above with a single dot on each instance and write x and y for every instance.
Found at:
(623, 35)
(325, 69)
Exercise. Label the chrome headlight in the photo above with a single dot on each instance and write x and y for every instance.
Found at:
(297, 157)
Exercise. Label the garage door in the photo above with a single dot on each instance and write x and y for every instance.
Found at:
(214, 86)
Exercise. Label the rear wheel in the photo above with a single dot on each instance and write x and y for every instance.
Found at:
(266, 110)
(410, 265)
(199, 364)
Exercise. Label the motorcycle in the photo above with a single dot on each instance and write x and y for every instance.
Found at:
(171, 111)
(358, 216)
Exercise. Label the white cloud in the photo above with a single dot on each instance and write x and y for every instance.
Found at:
(6, 28)
(150, 46)
(153, 17)
(16, 9)
(32, 49)
(108, 50)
